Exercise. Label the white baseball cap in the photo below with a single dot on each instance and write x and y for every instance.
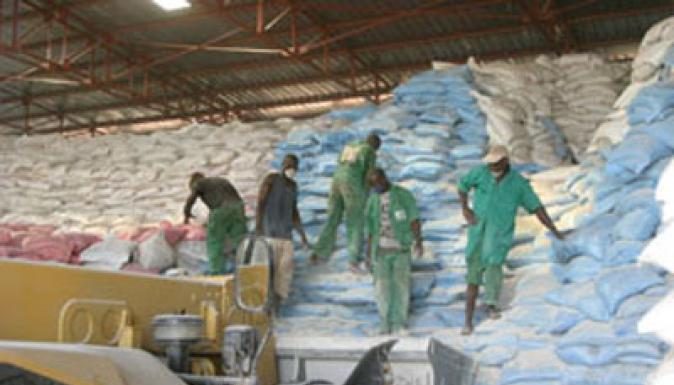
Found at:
(495, 154)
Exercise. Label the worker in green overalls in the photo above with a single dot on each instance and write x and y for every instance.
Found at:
(348, 195)
(392, 226)
(498, 192)
(226, 219)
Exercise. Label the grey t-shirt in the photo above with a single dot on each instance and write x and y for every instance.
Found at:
(277, 218)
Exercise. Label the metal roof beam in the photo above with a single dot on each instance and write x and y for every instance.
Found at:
(108, 41)
(558, 13)
(550, 22)
(378, 47)
(50, 63)
(275, 63)
(323, 77)
(210, 12)
(353, 58)
(33, 15)
(317, 98)
(210, 111)
(272, 42)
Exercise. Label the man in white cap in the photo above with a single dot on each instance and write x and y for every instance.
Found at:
(498, 193)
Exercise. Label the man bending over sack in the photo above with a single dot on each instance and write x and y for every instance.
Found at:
(276, 217)
(392, 226)
(498, 193)
(226, 219)
(348, 195)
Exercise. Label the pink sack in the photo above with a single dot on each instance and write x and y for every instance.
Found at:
(17, 238)
(143, 233)
(5, 237)
(11, 252)
(41, 229)
(173, 234)
(81, 241)
(134, 234)
(48, 248)
(194, 232)
(16, 227)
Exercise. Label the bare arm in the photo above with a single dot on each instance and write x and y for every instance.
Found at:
(187, 209)
(262, 196)
(297, 222)
(468, 213)
(545, 219)
(418, 241)
(371, 164)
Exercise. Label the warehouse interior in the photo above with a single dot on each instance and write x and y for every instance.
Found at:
(109, 108)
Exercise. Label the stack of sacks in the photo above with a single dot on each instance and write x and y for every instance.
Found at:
(148, 249)
(536, 108)
(515, 98)
(43, 243)
(128, 180)
(584, 96)
(432, 133)
(653, 61)
(161, 248)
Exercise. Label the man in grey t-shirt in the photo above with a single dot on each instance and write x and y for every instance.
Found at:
(226, 219)
(277, 215)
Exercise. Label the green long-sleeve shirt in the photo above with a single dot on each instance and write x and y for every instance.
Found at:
(495, 206)
(356, 160)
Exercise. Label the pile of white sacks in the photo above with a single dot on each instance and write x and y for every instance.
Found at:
(117, 182)
(547, 110)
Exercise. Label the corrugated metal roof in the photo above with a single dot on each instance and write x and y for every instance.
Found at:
(130, 61)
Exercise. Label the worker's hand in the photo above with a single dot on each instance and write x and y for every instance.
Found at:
(305, 243)
(419, 249)
(469, 215)
(560, 235)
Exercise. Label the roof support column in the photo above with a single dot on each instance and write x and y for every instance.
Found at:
(260, 17)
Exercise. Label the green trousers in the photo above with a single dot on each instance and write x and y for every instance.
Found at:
(226, 229)
(392, 271)
(490, 276)
(347, 199)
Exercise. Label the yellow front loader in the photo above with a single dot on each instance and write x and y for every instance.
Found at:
(73, 325)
